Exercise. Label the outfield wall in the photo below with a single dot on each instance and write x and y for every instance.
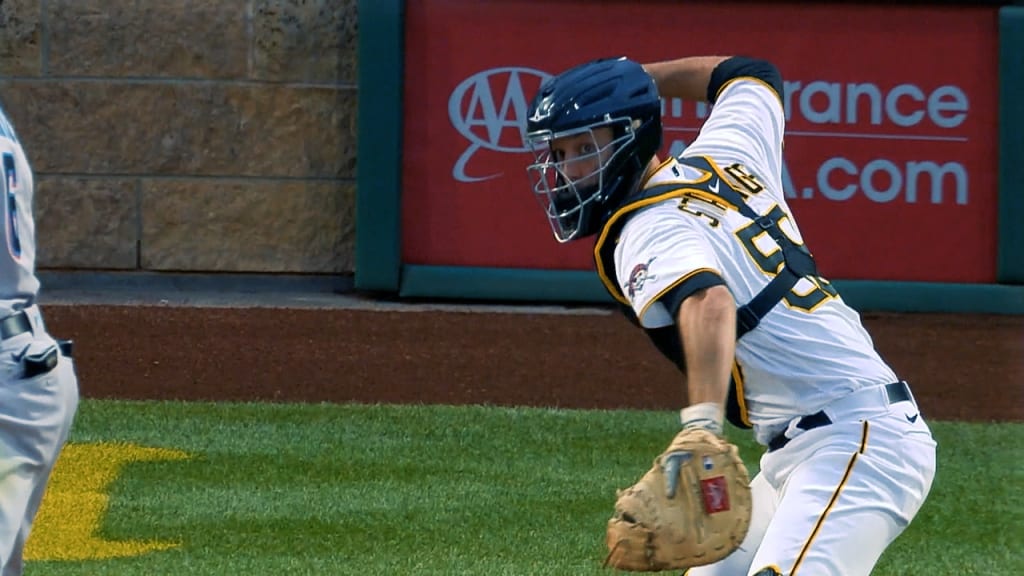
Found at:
(913, 156)
(222, 137)
(204, 136)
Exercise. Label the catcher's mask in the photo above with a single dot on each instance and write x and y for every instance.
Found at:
(575, 170)
(592, 129)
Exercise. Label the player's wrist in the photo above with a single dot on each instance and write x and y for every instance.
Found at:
(707, 415)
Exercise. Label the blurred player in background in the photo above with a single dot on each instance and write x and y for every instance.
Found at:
(38, 385)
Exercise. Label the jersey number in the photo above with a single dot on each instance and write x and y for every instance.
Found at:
(749, 182)
(770, 264)
(10, 183)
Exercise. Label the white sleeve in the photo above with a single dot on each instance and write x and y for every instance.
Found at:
(661, 249)
(746, 125)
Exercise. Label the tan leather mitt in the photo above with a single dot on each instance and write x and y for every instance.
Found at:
(690, 509)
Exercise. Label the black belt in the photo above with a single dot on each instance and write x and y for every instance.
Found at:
(897, 392)
(14, 324)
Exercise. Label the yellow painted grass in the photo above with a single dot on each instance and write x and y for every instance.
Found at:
(76, 501)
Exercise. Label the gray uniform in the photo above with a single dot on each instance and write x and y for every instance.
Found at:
(38, 386)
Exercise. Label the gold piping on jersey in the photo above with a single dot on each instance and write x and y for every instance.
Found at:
(681, 191)
(752, 79)
(612, 288)
(673, 285)
(649, 175)
(737, 380)
(835, 497)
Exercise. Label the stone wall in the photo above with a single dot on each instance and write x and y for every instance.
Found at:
(187, 135)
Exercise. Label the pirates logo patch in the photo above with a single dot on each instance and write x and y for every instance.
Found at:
(637, 278)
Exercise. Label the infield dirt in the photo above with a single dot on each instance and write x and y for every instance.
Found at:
(960, 367)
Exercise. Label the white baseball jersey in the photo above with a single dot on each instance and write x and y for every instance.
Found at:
(811, 348)
(18, 283)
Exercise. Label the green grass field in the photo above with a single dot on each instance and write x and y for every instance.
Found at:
(333, 489)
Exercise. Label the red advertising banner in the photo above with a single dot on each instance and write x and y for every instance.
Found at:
(891, 139)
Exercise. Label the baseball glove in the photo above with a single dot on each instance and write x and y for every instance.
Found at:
(690, 509)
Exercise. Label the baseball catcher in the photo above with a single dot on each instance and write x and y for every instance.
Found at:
(691, 508)
(701, 251)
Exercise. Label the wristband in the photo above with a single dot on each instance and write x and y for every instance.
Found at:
(704, 415)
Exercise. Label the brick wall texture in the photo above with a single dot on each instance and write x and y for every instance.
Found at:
(187, 135)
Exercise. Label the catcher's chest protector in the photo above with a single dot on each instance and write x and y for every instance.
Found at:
(798, 263)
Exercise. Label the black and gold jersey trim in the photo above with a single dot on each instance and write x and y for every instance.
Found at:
(751, 78)
(673, 296)
(615, 224)
(742, 67)
(736, 407)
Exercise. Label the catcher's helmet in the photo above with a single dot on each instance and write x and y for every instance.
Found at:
(616, 93)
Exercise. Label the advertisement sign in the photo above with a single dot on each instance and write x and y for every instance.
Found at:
(891, 138)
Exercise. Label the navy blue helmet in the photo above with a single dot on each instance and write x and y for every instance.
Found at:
(593, 129)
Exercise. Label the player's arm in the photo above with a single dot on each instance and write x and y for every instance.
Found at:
(683, 303)
(704, 78)
(686, 78)
(707, 325)
(747, 120)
